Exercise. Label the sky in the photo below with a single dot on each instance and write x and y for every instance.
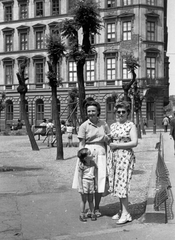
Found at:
(171, 44)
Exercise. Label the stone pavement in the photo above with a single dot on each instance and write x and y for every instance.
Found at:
(37, 202)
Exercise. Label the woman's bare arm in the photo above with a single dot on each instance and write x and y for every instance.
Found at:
(127, 145)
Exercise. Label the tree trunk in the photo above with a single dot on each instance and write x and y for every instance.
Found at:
(26, 120)
(60, 155)
(141, 122)
(127, 86)
(138, 125)
(81, 89)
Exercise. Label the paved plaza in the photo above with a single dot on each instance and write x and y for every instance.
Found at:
(38, 203)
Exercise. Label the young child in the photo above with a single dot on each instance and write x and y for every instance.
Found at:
(69, 130)
(87, 178)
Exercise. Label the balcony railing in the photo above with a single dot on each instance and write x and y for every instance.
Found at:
(117, 83)
(150, 82)
(44, 86)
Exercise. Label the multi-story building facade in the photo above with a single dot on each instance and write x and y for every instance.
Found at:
(136, 27)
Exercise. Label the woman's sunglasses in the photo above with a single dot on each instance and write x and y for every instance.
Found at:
(119, 112)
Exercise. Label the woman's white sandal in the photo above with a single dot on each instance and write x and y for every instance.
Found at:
(116, 216)
(122, 220)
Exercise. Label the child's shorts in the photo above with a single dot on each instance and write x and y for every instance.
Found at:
(69, 135)
(88, 186)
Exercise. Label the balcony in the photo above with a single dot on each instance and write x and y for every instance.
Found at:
(151, 82)
(102, 83)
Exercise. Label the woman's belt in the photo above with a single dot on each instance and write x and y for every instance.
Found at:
(94, 143)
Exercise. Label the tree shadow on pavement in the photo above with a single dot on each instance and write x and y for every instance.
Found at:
(137, 172)
(68, 158)
(136, 210)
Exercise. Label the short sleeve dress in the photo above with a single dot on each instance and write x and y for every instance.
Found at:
(121, 161)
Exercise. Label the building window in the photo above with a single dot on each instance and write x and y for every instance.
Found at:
(9, 110)
(8, 67)
(23, 41)
(151, 2)
(71, 4)
(39, 72)
(39, 10)
(8, 13)
(110, 32)
(126, 74)
(150, 67)
(126, 30)
(39, 109)
(110, 68)
(127, 2)
(90, 71)
(23, 11)
(55, 7)
(110, 115)
(110, 3)
(39, 39)
(151, 31)
(8, 42)
(72, 72)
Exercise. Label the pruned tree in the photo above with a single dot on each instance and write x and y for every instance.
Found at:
(132, 65)
(22, 89)
(2, 103)
(56, 50)
(72, 106)
(87, 18)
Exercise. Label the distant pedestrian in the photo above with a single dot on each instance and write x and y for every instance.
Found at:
(165, 123)
(49, 132)
(63, 130)
(87, 178)
(172, 129)
(63, 126)
(69, 130)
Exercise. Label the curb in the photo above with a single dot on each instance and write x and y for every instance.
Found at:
(151, 215)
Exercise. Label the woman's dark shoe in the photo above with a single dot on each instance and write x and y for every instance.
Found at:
(93, 217)
(82, 218)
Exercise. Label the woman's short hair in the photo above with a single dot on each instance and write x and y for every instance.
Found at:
(94, 103)
(82, 153)
(122, 104)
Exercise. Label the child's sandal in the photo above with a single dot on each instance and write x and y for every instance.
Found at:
(93, 217)
(82, 218)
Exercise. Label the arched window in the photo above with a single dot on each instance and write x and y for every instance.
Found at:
(39, 109)
(9, 110)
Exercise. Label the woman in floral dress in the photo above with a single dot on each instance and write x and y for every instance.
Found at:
(121, 160)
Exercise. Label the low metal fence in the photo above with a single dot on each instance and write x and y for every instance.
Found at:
(163, 183)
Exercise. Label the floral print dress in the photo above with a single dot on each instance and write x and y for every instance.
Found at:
(120, 161)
